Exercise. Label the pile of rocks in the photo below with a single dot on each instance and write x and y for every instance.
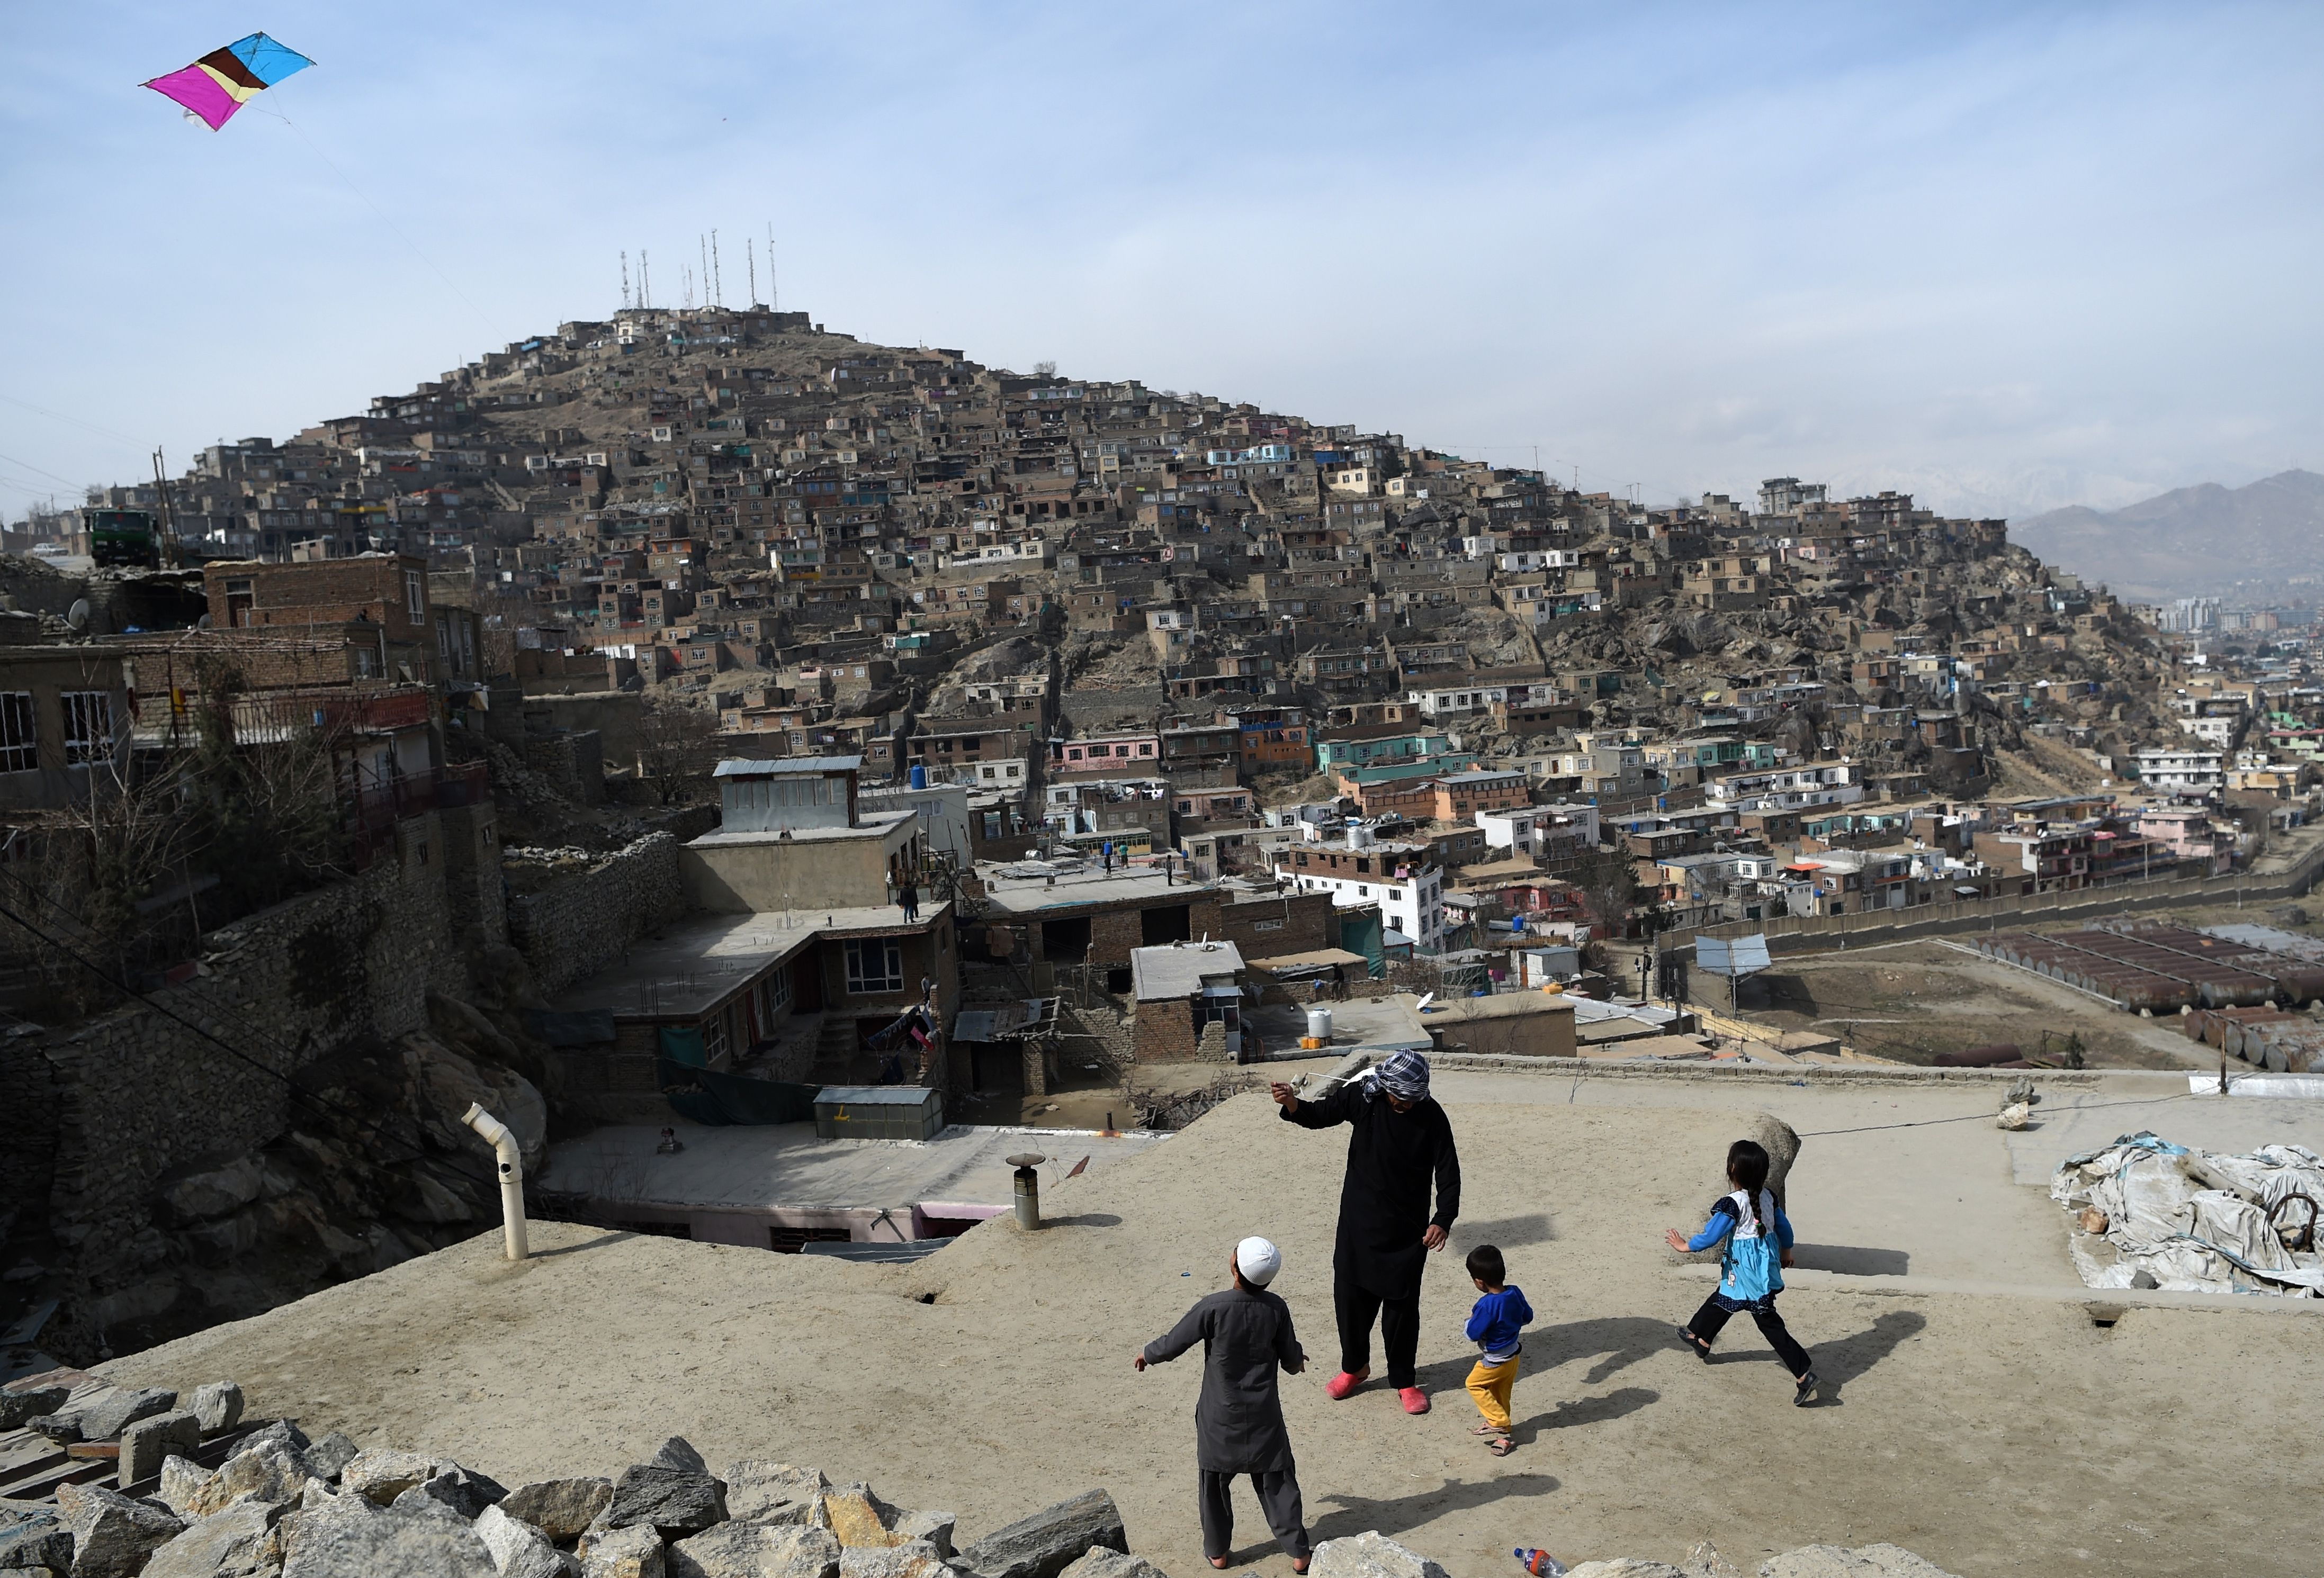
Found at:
(284, 1506)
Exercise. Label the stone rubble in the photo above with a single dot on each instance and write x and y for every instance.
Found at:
(281, 1506)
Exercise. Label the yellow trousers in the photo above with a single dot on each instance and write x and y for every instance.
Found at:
(1491, 1385)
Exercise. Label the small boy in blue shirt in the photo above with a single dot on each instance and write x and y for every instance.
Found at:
(1494, 1326)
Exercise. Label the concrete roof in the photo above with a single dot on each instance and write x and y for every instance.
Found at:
(870, 824)
(1178, 969)
(1019, 896)
(1500, 1006)
(743, 767)
(776, 1165)
(1954, 1341)
(697, 963)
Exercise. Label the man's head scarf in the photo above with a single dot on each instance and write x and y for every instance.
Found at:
(1402, 1075)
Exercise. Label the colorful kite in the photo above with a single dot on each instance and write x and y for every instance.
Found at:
(222, 81)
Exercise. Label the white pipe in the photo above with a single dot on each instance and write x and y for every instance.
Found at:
(496, 1134)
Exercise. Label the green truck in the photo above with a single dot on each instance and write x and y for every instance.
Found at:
(124, 536)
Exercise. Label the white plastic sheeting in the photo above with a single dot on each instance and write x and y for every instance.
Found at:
(2195, 1221)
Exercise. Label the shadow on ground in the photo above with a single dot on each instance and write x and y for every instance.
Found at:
(1395, 1515)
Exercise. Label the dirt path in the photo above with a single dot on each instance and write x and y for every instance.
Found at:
(1996, 1435)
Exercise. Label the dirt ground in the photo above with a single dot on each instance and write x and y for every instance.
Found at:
(1915, 1000)
(1909, 1001)
(1993, 1433)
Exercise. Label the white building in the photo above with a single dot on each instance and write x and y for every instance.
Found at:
(1402, 879)
(1791, 788)
(1536, 829)
(2190, 772)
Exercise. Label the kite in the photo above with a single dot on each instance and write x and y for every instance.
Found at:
(222, 81)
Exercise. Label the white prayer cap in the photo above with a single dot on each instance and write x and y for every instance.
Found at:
(1258, 1261)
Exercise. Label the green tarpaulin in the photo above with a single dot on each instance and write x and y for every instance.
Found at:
(719, 1099)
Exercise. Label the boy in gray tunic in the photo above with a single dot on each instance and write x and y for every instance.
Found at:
(1245, 1333)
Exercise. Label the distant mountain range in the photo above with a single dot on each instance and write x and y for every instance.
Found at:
(2192, 542)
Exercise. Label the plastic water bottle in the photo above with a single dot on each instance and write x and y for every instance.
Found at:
(1540, 1564)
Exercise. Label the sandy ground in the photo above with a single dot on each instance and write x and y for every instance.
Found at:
(1996, 1433)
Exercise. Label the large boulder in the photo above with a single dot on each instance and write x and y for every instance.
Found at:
(911, 1559)
(463, 1490)
(858, 1519)
(1370, 1555)
(329, 1457)
(1105, 1563)
(273, 1472)
(181, 1481)
(1874, 1561)
(1782, 1144)
(674, 1499)
(519, 1550)
(34, 1402)
(219, 1190)
(105, 1414)
(1052, 1540)
(559, 1509)
(635, 1552)
(219, 1406)
(240, 1542)
(756, 1550)
(37, 1538)
(146, 1444)
(348, 1535)
(381, 1474)
(112, 1536)
(758, 1490)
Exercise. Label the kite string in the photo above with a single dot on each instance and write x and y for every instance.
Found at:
(393, 230)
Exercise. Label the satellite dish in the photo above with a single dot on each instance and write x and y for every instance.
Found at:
(1422, 1006)
(77, 616)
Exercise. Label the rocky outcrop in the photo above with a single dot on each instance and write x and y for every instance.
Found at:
(281, 1506)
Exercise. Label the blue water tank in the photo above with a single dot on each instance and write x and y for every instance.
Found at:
(920, 776)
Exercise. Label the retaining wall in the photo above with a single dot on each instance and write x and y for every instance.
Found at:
(580, 923)
(138, 1094)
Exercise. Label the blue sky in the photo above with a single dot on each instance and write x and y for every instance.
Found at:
(2005, 257)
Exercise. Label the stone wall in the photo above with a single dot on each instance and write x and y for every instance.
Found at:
(139, 1093)
(579, 923)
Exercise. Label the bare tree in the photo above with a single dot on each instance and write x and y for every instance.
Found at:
(1608, 881)
(676, 745)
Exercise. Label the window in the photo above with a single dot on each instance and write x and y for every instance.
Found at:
(874, 964)
(415, 593)
(20, 733)
(89, 726)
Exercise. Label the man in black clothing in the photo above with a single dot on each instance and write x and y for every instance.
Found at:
(1402, 1141)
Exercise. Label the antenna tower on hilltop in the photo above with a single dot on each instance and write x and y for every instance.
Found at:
(717, 286)
(625, 281)
(645, 281)
(751, 261)
(774, 289)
